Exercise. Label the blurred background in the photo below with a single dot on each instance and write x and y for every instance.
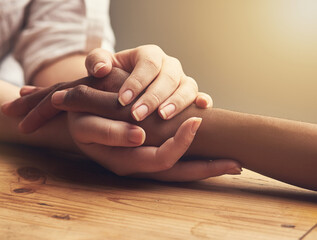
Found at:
(250, 56)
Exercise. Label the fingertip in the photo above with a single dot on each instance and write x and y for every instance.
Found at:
(234, 171)
(225, 166)
(5, 106)
(188, 129)
(204, 101)
(140, 112)
(196, 124)
(58, 97)
(126, 97)
(136, 135)
(26, 90)
(167, 112)
(101, 69)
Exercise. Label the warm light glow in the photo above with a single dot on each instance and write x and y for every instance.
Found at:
(257, 56)
(300, 15)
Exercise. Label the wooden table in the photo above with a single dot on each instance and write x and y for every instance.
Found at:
(45, 195)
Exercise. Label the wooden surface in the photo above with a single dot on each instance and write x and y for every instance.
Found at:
(44, 195)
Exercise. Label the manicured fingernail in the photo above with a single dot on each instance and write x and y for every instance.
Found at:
(234, 171)
(136, 136)
(98, 66)
(26, 90)
(126, 97)
(196, 125)
(168, 110)
(58, 97)
(140, 112)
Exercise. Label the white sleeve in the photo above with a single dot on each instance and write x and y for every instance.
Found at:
(56, 28)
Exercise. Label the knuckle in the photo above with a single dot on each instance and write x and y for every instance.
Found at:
(181, 99)
(175, 61)
(155, 99)
(109, 132)
(137, 84)
(173, 79)
(151, 48)
(193, 83)
(76, 95)
(78, 92)
(152, 64)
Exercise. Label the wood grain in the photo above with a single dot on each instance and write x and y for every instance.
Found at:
(45, 195)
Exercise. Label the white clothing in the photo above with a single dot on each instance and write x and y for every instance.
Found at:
(36, 32)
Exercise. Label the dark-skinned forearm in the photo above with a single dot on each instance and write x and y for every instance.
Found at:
(282, 149)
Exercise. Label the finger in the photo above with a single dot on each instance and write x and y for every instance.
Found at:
(99, 62)
(85, 99)
(112, 82)
(160, 89)
(203, 100)
(194, 170)
(37, 117)
(181, 98)
(27, 90)
(147, 62)
(93, 129)
(24, 104)
(38, 107)
(126, 161)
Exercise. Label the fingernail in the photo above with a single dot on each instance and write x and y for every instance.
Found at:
(58, 97)
(126, 97)
(210, 103)
(98, 66)
(26, 90)
(167, 111)
(136, 136)
(196, 125)
(140, 112)
(207, 101)
(234, 171)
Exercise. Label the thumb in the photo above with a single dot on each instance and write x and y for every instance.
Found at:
(99, 62)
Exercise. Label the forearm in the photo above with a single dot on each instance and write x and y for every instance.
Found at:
(282, 149)
(65, 69)
(54, 135)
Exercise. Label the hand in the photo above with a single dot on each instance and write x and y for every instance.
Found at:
(35, 103)
(170, 85)
(160, 163)
(84, 99)
(161, 77)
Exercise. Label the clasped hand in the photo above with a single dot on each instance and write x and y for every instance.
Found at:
(100, 138)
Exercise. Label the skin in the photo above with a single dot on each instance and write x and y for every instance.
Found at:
(151, 68)
(282, 149)
(9, 131)
(65, 132)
